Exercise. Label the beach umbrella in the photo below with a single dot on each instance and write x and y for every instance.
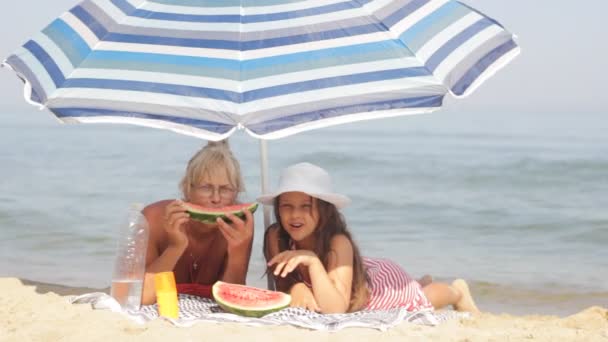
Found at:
(270, 67)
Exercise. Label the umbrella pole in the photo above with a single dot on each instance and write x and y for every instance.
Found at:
(265, 190)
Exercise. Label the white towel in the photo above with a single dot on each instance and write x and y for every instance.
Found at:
(194, 309)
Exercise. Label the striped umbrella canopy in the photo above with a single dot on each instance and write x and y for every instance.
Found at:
(271, 67)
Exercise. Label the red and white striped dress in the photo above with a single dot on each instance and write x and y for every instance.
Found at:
(391, 287)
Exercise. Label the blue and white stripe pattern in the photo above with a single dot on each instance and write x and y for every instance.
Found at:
(272, 67)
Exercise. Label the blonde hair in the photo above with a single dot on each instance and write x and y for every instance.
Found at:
(214, 157)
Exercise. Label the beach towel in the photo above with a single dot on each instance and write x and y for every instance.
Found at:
(194, 309)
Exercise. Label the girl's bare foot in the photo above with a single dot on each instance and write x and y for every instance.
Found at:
(466, 302)
(425, 280)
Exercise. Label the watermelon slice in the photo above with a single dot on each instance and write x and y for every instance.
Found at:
(210, 215)
(248, 301)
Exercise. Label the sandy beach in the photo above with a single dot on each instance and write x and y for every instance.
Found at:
(40, 312)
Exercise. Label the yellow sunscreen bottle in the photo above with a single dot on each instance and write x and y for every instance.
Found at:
(166, 294)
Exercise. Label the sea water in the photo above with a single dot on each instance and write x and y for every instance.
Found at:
(127, 293)
(515, 203)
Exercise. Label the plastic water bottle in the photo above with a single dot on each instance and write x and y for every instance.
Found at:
(130, 264)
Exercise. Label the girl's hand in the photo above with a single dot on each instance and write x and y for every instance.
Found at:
(239, 233)
(302, 297)
(174, 222)
(287, 261)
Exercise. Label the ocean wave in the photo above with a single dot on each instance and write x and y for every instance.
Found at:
(333, 160)
(594, 232)
(529, 164)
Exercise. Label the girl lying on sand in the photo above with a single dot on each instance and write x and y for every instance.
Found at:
(312, 256)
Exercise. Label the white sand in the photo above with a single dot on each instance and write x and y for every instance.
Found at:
(37, 313)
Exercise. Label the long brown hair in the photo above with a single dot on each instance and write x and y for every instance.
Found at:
(331, 223)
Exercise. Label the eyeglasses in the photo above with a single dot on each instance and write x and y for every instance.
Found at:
(207, 190)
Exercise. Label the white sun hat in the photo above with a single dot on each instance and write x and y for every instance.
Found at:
(309, 179)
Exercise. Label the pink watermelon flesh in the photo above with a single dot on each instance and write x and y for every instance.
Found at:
(236, 207)
(248, 301)
(210, 215)
(246, 296)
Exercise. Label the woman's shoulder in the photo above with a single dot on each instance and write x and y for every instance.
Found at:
(156, 208)
(155, 215)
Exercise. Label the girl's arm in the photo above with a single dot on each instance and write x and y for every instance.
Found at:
(271, 248)
(301, 295)
(332, 287)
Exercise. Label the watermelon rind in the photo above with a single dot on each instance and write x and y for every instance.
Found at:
(258, 311)
(211, 216)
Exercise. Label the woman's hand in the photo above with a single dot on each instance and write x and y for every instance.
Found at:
(302, 297)
(174, 223)
(238, 234)
(287, 261)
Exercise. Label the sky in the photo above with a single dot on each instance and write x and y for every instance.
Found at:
(562, 67)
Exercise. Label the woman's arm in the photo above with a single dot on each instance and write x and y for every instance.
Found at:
(155, 260)
(239, 239)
